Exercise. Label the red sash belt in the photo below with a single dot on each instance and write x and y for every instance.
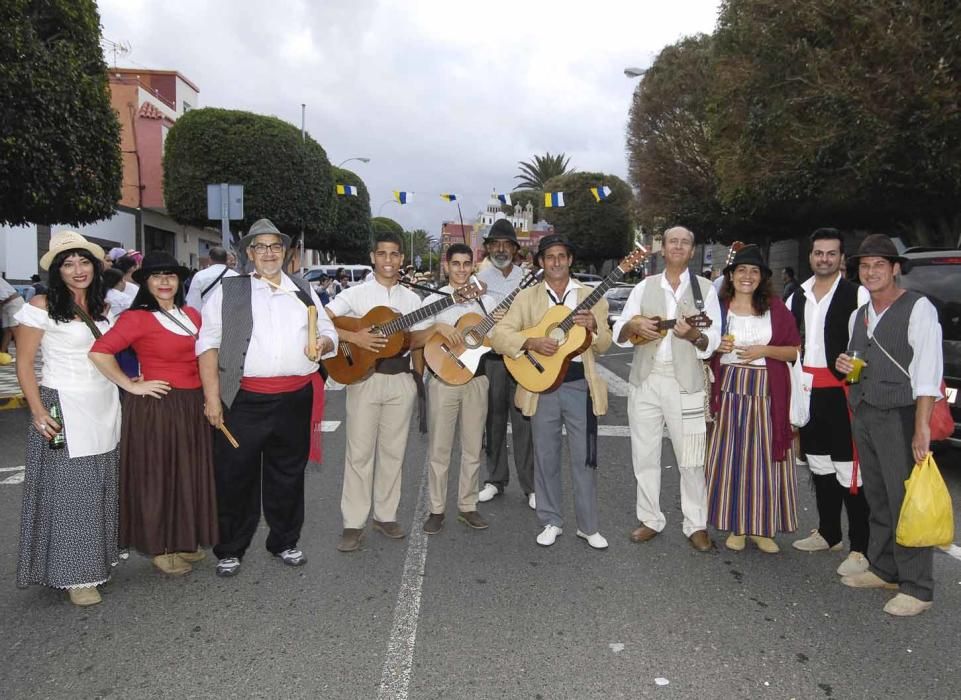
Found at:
(825, 379)
(284, 385)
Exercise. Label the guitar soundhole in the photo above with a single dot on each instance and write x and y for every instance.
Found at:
(473, 339)
(557, 333)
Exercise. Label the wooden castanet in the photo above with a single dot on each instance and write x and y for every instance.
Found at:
(352, 363)
(312, 354)
(457, 364)
(539, 373)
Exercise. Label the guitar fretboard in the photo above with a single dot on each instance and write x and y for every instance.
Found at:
(407, 320)
(485, 326)
(617, 274)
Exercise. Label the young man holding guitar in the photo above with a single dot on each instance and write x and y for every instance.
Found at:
(446, 401)
(667, 384)
(575, 403)
(379, 407)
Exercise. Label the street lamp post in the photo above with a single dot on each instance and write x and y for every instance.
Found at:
(634, 72)
(361, 159)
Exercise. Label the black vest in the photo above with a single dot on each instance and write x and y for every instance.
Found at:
(842, 305)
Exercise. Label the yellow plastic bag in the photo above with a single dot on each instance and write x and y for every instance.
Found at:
(927, 519)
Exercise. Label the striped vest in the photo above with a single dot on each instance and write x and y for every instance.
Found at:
(238, 326)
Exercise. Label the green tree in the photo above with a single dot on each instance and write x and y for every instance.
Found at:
(59, 137)
(385, 223)
(285, 179)
(349, 239)
(669, 141)
(600, 230)
(537, 171)
(838, 111)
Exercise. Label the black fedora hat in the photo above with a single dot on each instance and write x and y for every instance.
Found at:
(159, 261)
(502, 230)
(551, 241)
(877, 245)
(748, 255)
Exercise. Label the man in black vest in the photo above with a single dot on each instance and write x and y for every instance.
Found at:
(822, 307)
(899, 338)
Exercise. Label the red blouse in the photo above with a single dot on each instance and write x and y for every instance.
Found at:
(163, 354)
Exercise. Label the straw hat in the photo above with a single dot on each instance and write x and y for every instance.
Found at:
(68, 240)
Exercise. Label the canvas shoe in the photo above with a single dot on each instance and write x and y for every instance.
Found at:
(488, 493)
(549, 535)
(904, 605)
(596, 540)
(854, 564)
(815, 542)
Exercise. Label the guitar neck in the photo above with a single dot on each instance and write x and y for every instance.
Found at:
(485, 326)
(666, 325)
(617, 274)
(402, 323)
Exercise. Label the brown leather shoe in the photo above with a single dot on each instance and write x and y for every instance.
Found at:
(643, 534)
(472, 518)
(700, 541)
(350, 539)
(172, 564)
(391, 529)
(433, 524)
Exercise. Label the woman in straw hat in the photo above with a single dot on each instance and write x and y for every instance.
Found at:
(751, 469)
(68, 527)
(167, 495)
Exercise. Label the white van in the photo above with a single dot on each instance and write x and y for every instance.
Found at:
(357, 273)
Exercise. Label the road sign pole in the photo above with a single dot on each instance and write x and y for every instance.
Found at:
(225, 215)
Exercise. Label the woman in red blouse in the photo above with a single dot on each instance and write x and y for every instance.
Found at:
(167, 496)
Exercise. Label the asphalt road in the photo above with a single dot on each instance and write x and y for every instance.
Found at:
(489, 614)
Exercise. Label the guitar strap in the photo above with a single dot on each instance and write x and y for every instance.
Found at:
(696, 293)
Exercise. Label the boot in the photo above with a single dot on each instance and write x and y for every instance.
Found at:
(172, 564)
(191, 557)
(83, 597)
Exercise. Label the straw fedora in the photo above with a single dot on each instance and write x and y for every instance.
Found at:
(68, 240)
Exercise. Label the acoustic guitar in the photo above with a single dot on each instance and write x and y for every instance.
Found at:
(539, 373)
(353, 363)
(457, 364)
(701, 320)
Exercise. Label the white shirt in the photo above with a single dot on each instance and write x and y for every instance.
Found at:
(632, 308)
(568, 299)
(358, 299)
(814, 314)
(130, 289)
(747, 330)
(119, 302)
(189, 328)
(924, 337)
(499, 286)
(202, 280)
(279, 334)
(452, 314)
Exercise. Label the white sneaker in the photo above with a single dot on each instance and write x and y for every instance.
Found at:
(596, 540)
(549, 535)
(815, 542)
(854, 564)
(487, 493)
(532, 501)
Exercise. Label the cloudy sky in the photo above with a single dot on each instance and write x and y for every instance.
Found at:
(441, 96)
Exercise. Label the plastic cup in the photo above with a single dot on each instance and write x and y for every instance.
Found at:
(857, 359)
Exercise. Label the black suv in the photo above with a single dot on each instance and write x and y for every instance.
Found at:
(936, 273)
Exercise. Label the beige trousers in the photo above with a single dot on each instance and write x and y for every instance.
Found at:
(444, 404)
(378, 420)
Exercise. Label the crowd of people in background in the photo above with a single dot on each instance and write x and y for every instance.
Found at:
(149, 371)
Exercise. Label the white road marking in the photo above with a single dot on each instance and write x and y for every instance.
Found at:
(615, 385)
(395, 677)
(331, 385)
(329, 426)
(602, 430)
(12, 469)
(17, 478)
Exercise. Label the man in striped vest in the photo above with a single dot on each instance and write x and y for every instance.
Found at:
(899, 338)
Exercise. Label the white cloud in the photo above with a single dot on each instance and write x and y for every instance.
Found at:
(443, 97)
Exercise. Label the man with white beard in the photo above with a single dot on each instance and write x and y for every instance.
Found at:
(502, 277)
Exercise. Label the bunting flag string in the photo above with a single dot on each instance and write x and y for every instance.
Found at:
(403, 197)
(347, 190)
(553, 199)
(504, 199)
(600, 193)
(449, 197)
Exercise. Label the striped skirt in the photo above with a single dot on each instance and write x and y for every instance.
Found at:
(748, 492)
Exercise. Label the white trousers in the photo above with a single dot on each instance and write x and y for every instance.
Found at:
(823, 465)
(649, 407)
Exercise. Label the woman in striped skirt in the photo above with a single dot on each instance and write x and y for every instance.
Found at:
(751, 471)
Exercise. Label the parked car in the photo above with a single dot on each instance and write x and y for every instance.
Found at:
(936, 273)
(357, 272)
(588, 279)
(616, 298)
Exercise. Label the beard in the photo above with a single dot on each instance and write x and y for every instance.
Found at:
(501, 260)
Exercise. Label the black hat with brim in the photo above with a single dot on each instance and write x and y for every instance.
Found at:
(552, 240)
(748, 255)
(159, 261)
(502, 230)
(877, 245)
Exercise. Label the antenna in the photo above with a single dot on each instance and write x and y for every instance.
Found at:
(118, 48)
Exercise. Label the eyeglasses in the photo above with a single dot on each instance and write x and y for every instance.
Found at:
(261, 248)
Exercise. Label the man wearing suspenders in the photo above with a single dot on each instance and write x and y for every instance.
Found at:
(208, 279)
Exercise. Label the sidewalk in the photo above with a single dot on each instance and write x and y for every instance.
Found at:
(10, 394)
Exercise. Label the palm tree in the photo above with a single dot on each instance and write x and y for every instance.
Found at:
(534, 174)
